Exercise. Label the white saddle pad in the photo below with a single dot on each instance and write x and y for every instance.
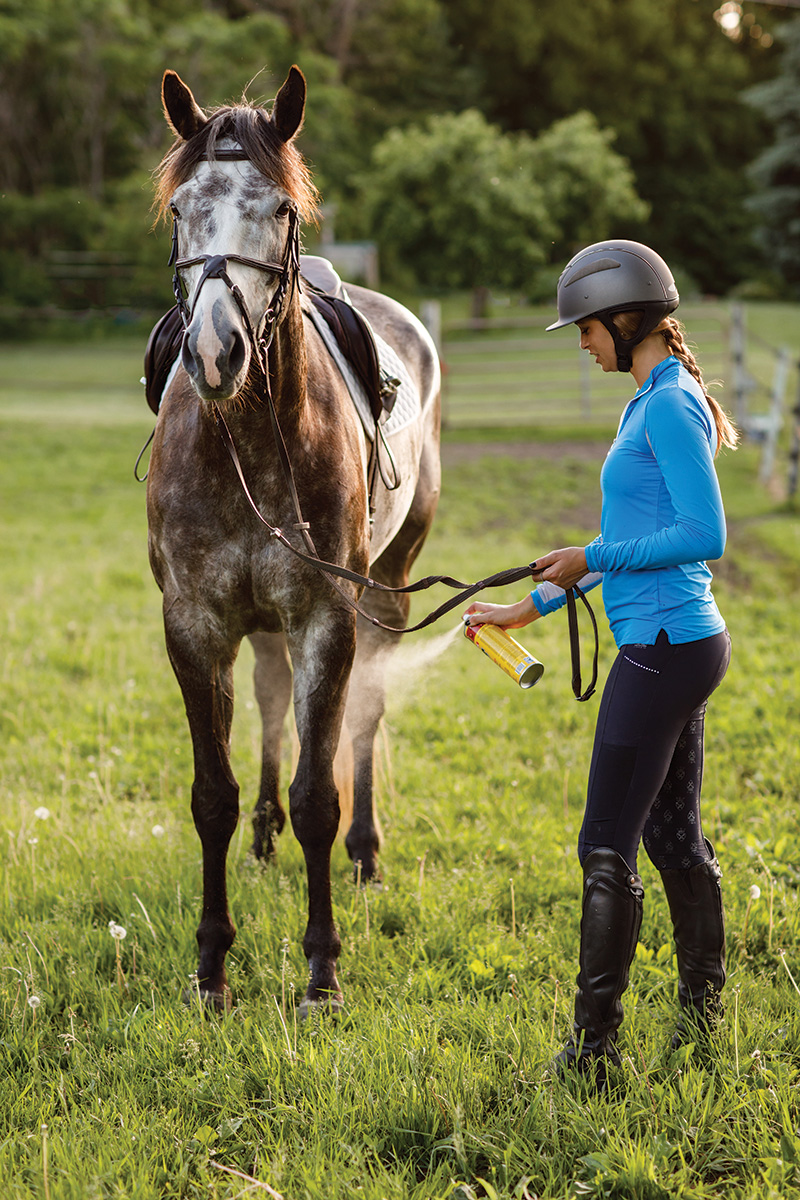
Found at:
(407, 406)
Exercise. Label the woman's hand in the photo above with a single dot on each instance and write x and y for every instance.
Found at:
(563, 567)
(509, 616)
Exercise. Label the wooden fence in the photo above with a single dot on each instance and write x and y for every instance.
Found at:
(508, 371)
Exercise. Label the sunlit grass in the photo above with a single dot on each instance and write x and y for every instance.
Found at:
(458, 975)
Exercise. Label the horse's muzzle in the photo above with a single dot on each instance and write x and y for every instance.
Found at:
(216, 359)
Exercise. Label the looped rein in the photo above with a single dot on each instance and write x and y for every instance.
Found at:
(333, 573)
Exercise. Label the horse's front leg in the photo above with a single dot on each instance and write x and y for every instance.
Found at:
(322, 658)
(364, 711)
(272, 678)
(203, 664)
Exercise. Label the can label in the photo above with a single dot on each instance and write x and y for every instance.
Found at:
(502, 649)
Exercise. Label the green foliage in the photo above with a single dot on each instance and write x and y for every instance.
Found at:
(455, 201)
(80, 112)
(777, 169)
(460, 204)
(589, 190)
(459, 972)
(660, 73)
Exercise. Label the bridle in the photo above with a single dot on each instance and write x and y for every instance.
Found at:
(215, 266)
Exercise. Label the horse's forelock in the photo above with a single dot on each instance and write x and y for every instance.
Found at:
(280, 162)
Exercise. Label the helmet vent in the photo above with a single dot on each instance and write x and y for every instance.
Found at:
(600, 264)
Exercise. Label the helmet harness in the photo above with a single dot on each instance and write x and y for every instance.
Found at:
(613, 277)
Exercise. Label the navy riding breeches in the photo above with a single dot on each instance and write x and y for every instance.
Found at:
(647, 762)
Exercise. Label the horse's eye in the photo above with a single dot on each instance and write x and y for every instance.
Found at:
(173, 208)
(283, 210)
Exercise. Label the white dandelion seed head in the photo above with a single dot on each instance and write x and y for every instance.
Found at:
(33, 841)
(34, 1002)
(755, 892)
(118, 932)
(157, 831)
(41, 813)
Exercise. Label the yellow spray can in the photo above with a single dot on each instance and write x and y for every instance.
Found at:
(501, 648)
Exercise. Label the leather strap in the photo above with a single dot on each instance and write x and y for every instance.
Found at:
(575, 646)
(333, 572)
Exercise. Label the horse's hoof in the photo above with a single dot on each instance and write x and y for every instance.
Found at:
(327, 1007)
(265, 850)
(208, 1002)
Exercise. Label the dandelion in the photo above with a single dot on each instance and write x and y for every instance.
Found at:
(33, 841)
(34, 1002)
(157, 831)
(42, 813)
(118, 933)
(755, 892)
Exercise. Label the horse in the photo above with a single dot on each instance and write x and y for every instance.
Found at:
(255, 381)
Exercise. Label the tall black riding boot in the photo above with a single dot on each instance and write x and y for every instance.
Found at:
(612, 916)
(698, 922)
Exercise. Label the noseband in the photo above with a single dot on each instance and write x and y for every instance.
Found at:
(215, 266)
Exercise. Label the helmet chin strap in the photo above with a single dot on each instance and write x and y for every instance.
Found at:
(623, 346)
(653, 312)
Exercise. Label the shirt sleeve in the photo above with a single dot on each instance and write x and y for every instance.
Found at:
(678, 435)
(547, 597)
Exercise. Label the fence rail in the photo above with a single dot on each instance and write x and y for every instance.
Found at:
(494, 374)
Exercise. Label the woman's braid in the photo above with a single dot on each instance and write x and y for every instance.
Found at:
(673, 334)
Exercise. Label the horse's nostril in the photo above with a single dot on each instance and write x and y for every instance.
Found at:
(237, 355)
(187, 359)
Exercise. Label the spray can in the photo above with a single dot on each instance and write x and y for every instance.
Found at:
(501, 648)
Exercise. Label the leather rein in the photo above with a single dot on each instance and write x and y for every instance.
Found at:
(215, 267)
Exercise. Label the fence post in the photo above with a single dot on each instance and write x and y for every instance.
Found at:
(741, 381)
(794, 453)
(430, 313)
(431, 317)
(773, 423)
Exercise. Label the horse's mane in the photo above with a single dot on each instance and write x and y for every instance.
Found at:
(251, 127)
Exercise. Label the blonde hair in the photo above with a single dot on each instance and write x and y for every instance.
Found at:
(672, 331)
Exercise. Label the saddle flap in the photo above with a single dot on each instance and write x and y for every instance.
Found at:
(163, 347)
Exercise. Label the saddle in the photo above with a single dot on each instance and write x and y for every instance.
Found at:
(351, 330)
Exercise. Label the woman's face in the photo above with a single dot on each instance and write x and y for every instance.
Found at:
(598, 341)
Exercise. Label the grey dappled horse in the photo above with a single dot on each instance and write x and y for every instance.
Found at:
(236, 185)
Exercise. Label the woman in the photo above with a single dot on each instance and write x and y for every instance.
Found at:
(662, 517)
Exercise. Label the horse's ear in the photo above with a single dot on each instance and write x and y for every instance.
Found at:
(290, 103)
(180, 107)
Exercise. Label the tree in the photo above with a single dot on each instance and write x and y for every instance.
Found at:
(664, 76)
(589, 189)
(461, 204)
(776, 170)
(72, 77)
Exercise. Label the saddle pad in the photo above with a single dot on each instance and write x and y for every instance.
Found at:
(407, 406)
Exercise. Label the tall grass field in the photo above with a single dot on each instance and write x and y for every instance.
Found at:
(459, 973)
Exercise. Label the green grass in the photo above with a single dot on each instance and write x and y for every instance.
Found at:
(458, 974)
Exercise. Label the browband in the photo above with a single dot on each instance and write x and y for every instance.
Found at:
(227, 154)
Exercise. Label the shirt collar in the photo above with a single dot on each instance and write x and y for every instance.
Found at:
(655, 375)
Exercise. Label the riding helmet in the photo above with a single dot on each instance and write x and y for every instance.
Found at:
(612, 277)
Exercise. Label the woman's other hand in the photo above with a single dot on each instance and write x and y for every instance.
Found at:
(564, 567)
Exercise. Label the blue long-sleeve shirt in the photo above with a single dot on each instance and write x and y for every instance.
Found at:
(662, 517)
